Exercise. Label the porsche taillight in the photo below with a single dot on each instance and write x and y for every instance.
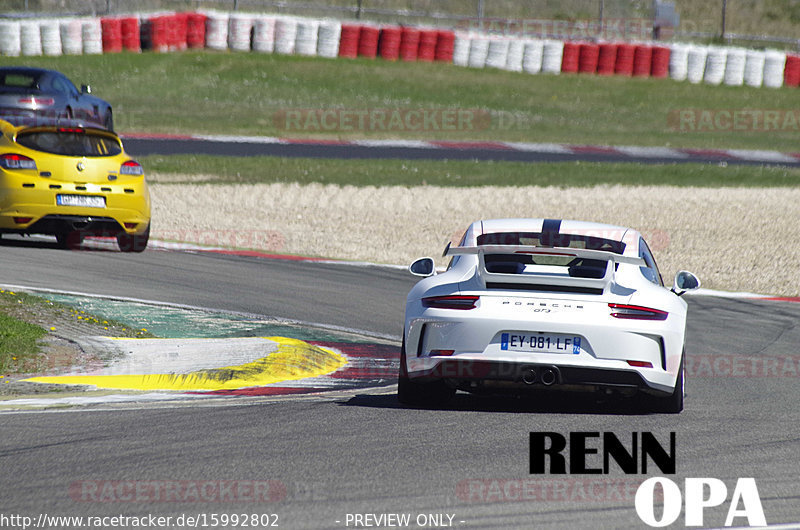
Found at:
(131, 167)
(636, 312)
(15, 161)
(451, 302)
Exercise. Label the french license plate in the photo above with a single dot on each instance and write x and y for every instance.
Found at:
(90, 201)
(540, 343)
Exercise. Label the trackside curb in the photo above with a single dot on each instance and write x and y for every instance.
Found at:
(623, 153)
(291, 360)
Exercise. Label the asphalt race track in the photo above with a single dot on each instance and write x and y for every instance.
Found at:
(323, 457)
(141, 145)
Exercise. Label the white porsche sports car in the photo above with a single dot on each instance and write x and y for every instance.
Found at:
(545, 304)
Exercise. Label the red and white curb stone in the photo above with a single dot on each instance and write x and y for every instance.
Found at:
(622, 152)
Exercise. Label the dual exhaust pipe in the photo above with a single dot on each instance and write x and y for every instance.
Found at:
(547, 376)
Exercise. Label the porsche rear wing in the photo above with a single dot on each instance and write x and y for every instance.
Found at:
(545, 280)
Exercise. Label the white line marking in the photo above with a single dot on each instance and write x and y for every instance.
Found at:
(539, 148)
(781, 526)
(726, 294)
(97, 400)
(240, 139)
(414, 144)
(762, 156)
(651, 152)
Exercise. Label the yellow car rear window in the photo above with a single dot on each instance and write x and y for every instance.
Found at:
(70, 143)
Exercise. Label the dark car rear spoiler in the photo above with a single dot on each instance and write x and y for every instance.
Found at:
(39, 120)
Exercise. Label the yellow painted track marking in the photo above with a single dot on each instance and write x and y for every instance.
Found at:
(293, 359)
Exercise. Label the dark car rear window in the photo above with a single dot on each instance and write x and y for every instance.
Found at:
(70, 143)
(17, 80)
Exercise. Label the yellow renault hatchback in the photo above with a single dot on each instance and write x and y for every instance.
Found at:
(70, 182)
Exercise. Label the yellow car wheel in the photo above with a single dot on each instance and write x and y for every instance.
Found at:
(69, 239)
(135, 242)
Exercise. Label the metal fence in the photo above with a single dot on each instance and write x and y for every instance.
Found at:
(393, 10)
(750, 22)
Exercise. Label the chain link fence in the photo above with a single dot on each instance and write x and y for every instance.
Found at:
(753, 22)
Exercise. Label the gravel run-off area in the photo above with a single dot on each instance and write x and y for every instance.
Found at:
(735, 239)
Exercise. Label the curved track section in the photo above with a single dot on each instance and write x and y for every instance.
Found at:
(140, 145)
(358, 452)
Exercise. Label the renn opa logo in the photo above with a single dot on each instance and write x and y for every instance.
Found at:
(593, 453)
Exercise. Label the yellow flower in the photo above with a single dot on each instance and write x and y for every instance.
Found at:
(52, 328)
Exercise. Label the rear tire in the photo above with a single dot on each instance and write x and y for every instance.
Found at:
(434, 393)
(135, 242)
(62, 239)
(429, 394)
(69, 240)
(672, 404)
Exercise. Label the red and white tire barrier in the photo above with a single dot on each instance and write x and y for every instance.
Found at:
(30, 38)
(330, 32)
(239, 29)
(270, 33)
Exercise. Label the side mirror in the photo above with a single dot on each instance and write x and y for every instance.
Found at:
(685, 281)
(86, 89)
(422, 267)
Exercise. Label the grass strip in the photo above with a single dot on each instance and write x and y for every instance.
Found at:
(27, 318)
(19, 346)
(248, 93)
(206, 169)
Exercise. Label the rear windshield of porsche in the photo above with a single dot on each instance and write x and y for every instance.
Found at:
(552, 240)
(70, 142)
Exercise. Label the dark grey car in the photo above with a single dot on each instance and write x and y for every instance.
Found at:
(35, 95)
